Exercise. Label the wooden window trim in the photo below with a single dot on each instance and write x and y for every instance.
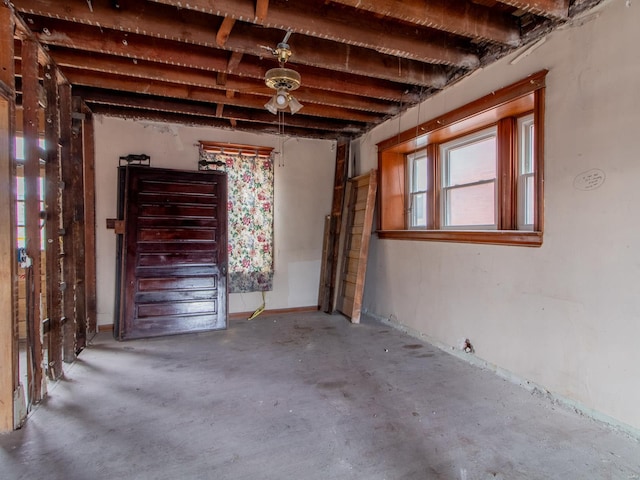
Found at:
(500, 108)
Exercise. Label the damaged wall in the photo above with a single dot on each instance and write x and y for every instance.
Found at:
(566, 315)
(303, 190)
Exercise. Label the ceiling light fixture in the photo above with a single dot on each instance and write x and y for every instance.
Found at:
(283, 81)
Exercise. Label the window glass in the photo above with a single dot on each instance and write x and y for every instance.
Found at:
(526, 179)
(418, 182)
(469, 167)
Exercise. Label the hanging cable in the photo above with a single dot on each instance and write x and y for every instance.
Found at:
(259, 310)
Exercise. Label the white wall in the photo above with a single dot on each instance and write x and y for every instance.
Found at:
(303, 190)
(567, 315)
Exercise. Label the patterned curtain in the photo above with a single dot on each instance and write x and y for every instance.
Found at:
(250, 218)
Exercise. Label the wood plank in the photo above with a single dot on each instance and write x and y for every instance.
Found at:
(68, 253)
(89, 188)
(91, 39)
(358, 232)
(557, 9)
(78, 225)
(30, 131)
(53, 203)
(8, 332)
(335, 225)
(462, 18)
(163, 22)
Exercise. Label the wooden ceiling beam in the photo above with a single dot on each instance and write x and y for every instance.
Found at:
(191, 27)
(124, 99)
(78, 76)
(152, 115)
(133, 46)
(461, 17)
(323, 22)
(555, 9)
(167, 73)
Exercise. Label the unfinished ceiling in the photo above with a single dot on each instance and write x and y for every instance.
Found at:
(203, 62)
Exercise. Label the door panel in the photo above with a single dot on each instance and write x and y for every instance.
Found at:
(174, 252)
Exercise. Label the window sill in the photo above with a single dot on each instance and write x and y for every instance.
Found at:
(492, 237)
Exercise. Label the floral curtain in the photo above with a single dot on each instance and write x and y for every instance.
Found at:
(250, 218)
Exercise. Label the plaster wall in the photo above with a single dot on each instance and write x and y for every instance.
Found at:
(566, 315)
(303, 186)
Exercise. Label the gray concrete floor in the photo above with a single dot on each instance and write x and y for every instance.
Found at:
(304, 396)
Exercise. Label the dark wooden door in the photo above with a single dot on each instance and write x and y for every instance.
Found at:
(173, 252)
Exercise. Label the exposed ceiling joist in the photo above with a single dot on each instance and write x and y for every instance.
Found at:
(460, 17)
(405, 41)
(160, 21)
(140, 47)
(205, 61)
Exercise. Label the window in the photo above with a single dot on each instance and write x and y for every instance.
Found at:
(20, 191)
(471, 175)
(526, 170)
(418, 189)
(469, 172)
(250, 212)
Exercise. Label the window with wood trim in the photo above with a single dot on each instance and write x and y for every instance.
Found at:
(472, 175)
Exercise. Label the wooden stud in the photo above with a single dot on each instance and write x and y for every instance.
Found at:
(89, 188)
(68, 255)
(339, 186)
(9, 371)
(53, 207)
(77, 227)
(30, 99)
(219, 109)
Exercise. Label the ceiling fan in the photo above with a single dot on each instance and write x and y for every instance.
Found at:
(283, 80)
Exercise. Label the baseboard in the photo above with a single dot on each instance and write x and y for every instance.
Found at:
(242, 315)
(532, 387)
(274, 311)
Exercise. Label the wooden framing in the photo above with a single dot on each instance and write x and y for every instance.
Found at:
(330, 279)
(53, 222)
(78, 226)
(68, 254)
(9, 380)
(30, 131)
(89, 185)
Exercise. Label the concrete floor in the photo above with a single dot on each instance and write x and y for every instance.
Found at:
(301, 397)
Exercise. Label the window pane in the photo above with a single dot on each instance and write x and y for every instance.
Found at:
(419, 175)
(472, 162)
(468, 206)
(419, 210)
(528, 200)
(20, 188)
(526, 193)
(20, 213)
